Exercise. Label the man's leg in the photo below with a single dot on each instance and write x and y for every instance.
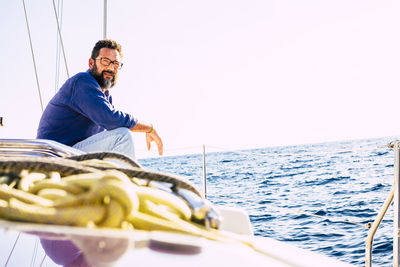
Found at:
(117, 140)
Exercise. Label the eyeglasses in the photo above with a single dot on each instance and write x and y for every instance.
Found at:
(106, 62)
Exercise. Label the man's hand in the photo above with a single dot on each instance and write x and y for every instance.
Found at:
(153, 136)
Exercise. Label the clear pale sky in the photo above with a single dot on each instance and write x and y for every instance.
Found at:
(227, 73)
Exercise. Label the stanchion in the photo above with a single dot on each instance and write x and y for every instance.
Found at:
(204, 173)
(396, 226)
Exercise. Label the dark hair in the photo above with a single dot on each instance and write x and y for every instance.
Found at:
(107, 43)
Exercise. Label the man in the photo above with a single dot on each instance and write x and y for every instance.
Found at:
(82, 115)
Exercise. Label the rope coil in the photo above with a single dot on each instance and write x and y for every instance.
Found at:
(52, 190)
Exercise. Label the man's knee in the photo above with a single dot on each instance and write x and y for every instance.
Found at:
(123, 131)
(117, 140)
(124, 142)
(123, 135)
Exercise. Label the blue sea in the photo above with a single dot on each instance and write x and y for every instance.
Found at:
(319, 197)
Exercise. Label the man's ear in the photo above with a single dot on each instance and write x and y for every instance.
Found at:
(91, 63)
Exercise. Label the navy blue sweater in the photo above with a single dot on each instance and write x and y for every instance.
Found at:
(79, 110)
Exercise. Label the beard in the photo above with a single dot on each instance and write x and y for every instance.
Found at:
(104, 83)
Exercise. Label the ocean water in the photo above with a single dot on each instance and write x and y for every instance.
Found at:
(318, 197)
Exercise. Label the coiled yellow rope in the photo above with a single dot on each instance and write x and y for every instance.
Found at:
(97, 195)
(91, 193)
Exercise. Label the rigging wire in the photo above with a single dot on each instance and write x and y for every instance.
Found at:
(44, 257)
(12, 250)
(57, 77)
(35, 249)
(61, 41)
(33, 55)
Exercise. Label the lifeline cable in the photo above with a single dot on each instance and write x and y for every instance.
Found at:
(353, 150)
(237, 151)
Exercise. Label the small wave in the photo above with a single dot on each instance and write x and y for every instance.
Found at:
(284, 175)
(324, 181)
(261, 218)
(320, 213)
(300, 216)
(226, 161)
(380, 153)
(343, 192)
(383, 246)
(375, 187)
(336, 253)
(268, 183)
(297, 239)
(263, 202)
(357, 212)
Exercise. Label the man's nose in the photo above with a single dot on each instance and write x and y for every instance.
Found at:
(111, 66)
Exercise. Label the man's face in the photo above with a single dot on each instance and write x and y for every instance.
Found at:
(106, 76)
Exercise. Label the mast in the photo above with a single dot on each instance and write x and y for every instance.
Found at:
(105, 20)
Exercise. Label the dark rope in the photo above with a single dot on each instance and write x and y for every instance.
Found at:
(107, 155)
(65, 167)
